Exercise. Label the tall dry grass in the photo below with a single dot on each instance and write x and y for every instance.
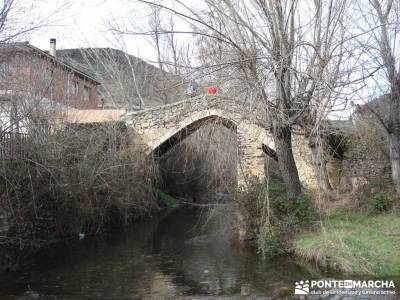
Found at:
(80, 179)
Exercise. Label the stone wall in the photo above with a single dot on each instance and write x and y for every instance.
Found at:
(156, 126)
(365, 160)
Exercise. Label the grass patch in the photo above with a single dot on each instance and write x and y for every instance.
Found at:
(355, 243)
(168, 199)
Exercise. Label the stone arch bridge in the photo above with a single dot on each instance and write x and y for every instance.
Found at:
(157, 129)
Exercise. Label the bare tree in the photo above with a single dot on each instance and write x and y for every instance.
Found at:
(25, 91)
(19, 18)
(35, 183)
(379, 42)
(22, 93)
(289, 53)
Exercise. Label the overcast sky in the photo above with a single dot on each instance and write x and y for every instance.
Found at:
(85, 23)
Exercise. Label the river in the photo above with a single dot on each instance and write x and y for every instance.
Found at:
(169, 256)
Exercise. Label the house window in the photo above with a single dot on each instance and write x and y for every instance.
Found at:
(7, 68)
(48, 75)
(86, 93)
(73, 88)
(4, 67)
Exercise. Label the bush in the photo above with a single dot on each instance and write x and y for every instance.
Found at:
(380, 202)
(272, 217)
(296, 211)
(74, 181)
(269, 242)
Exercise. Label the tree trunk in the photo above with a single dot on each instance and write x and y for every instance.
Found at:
(394, 142)
(287, 165)
(320, 171)
(319, 163)
(394, 131)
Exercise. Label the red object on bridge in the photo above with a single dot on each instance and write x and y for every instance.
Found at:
(212, 89)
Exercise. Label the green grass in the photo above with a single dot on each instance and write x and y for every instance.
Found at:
(168, 199)
(355, 243)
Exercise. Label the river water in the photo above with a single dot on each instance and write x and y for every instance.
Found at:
(170, 256)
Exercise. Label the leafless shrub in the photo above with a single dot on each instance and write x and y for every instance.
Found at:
(79, 179)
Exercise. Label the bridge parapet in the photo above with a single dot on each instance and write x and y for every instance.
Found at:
(234, 110)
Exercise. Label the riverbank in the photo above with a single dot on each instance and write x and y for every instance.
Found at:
(364, 240)
(354, 243)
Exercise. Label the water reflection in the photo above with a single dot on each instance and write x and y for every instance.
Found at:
(165, 257)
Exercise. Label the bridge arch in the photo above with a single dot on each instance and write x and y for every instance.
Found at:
(160, 128)
(168, 142)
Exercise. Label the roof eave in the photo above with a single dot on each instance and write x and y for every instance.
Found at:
(58, 61)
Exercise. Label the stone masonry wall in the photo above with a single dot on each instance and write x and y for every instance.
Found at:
(152, 127)
(366, 160)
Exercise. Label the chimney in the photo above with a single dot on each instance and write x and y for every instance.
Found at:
(53, 48)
